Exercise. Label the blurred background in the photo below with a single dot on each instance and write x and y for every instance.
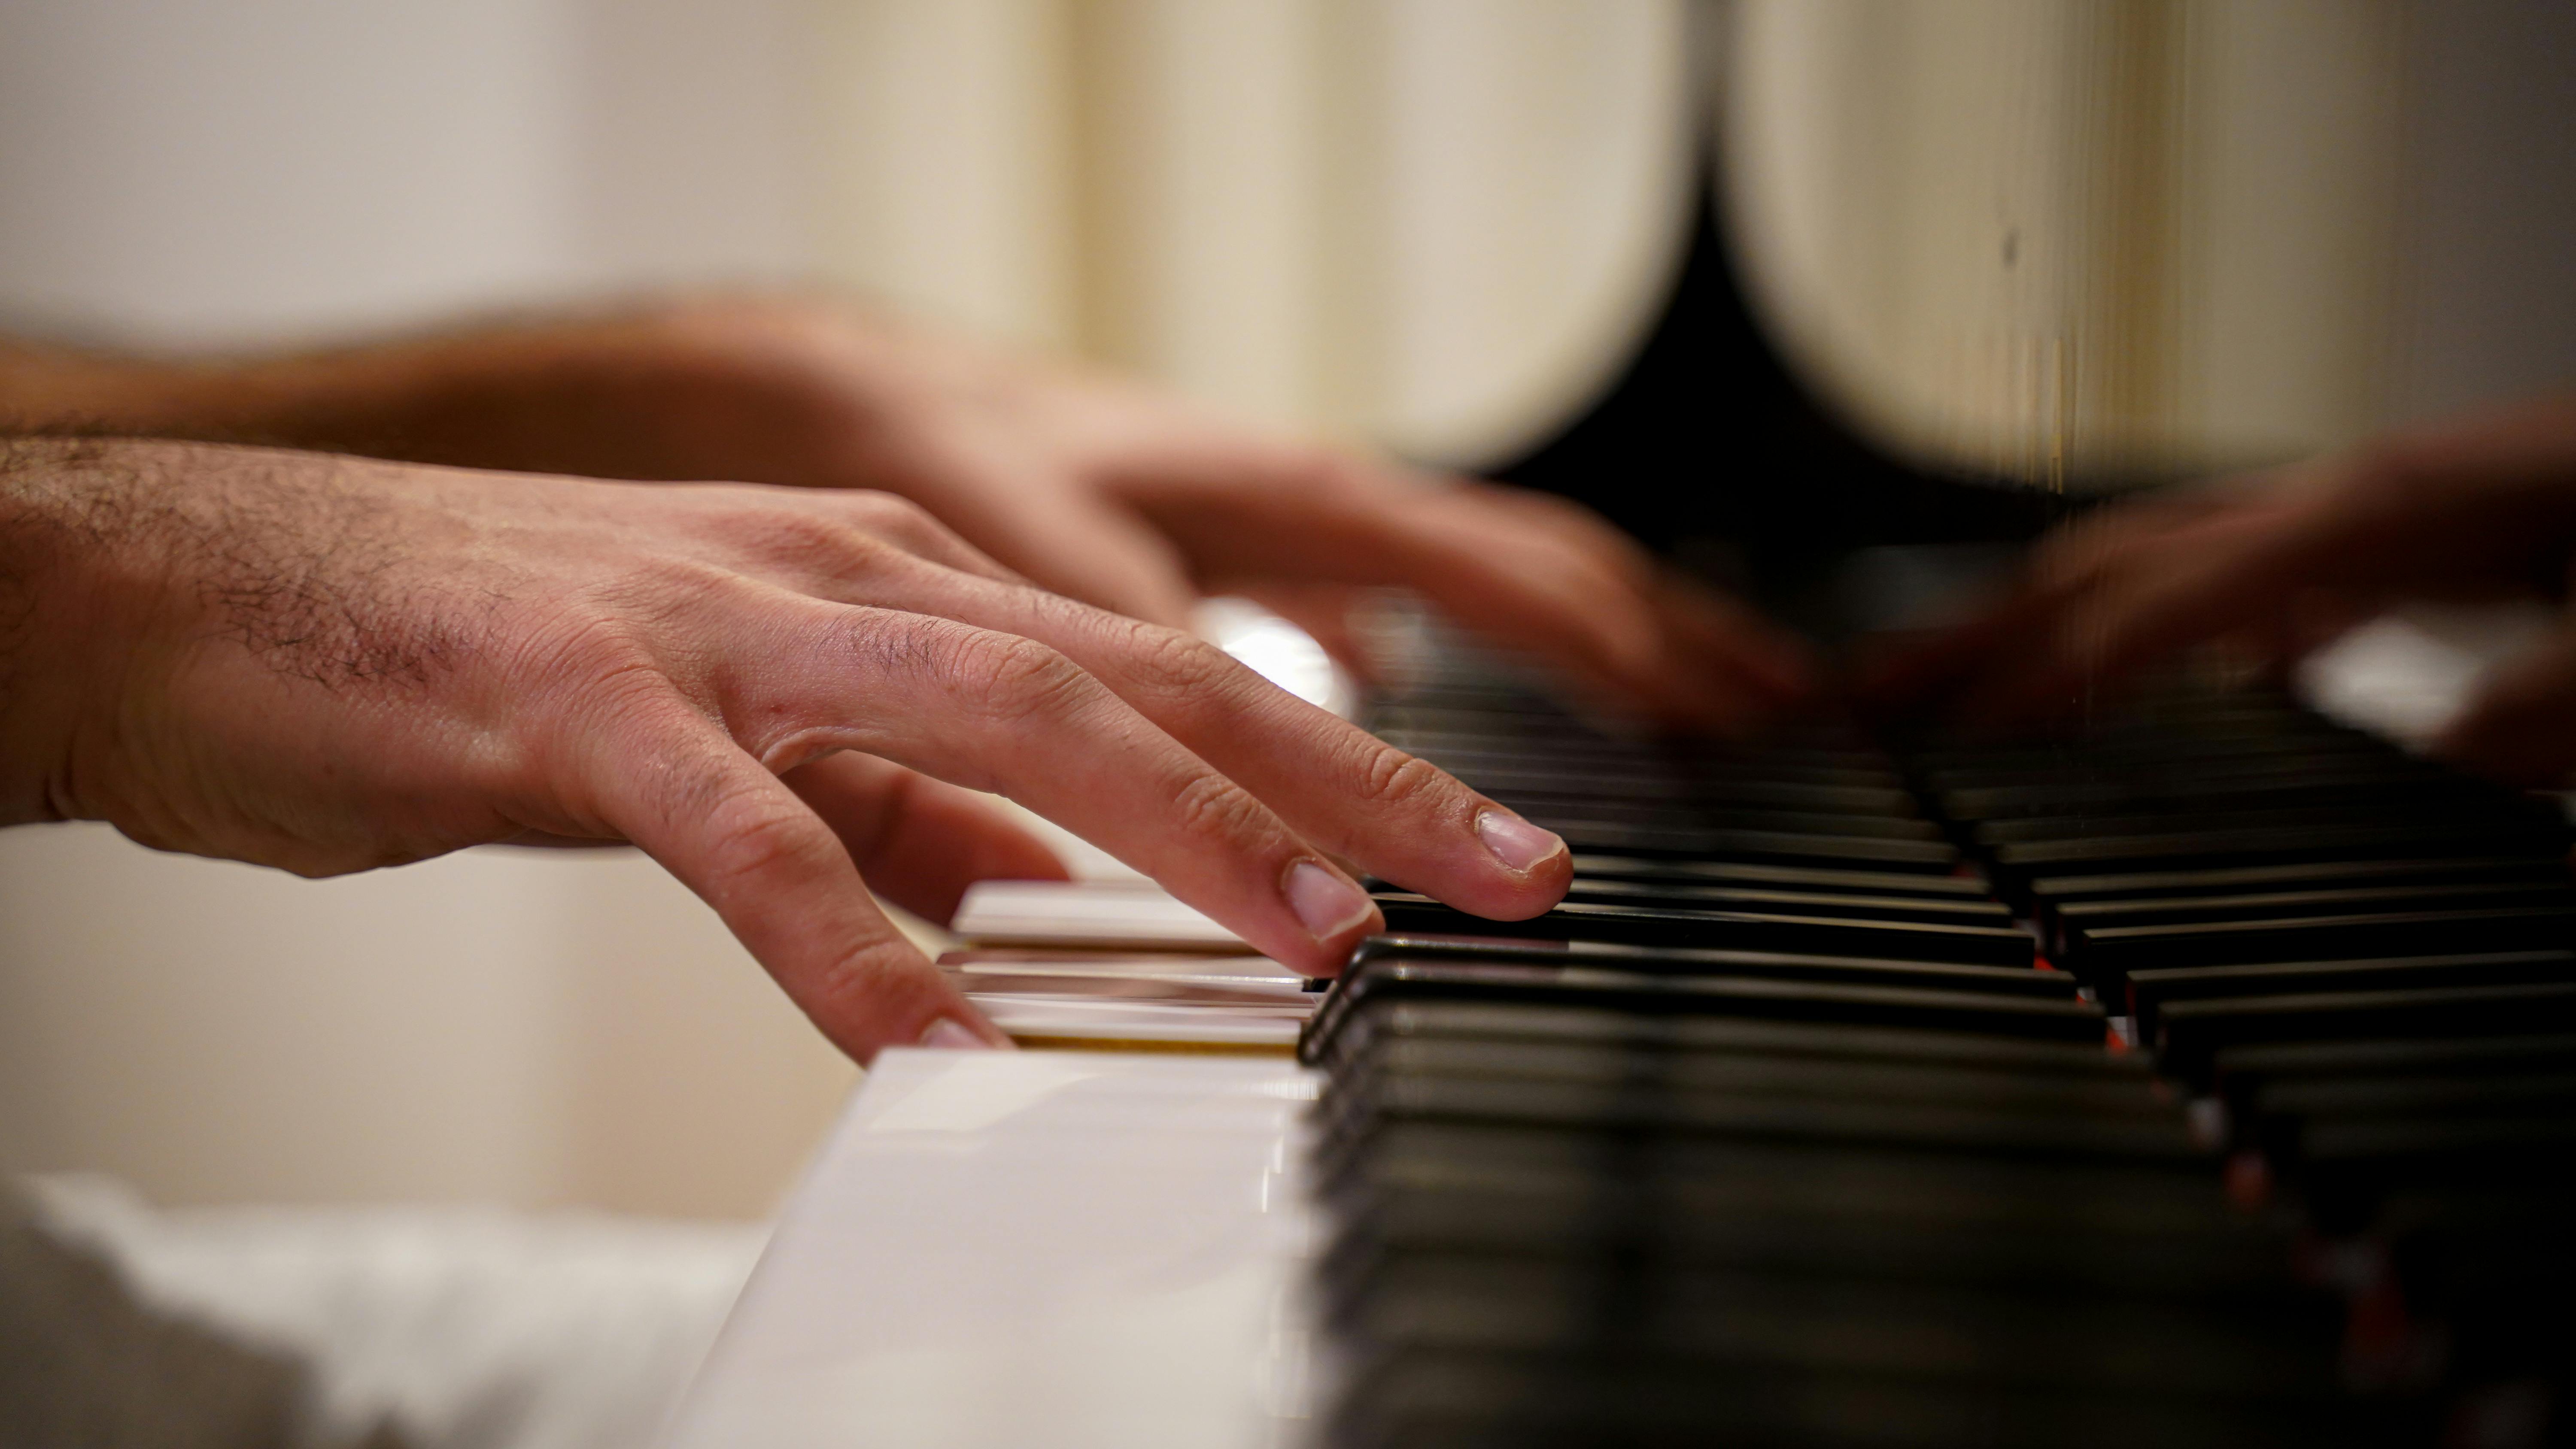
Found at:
(2051, 241)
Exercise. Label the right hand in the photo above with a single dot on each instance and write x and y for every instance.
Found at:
(328, 665)
(2481, 507)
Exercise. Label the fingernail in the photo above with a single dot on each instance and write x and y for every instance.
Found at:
(1325, 900)
(953, 1036)
(1514, 841)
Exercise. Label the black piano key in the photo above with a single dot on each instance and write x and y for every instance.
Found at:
(1986, 945)
(1776, 877)
(2105, 957)
(1396, 978)
(2285, 1113)
(1995, 1087)
(1426, 1399)
(1500, 779)
(2190, 1033)
(1683, 813)
(2016, 865)
(1595, 1027)
(1914, 1124)
(2149, 991)
(2219, 824)
(2245, 1072)
(1715, 961)
(2346, 900)
(1770, 847)
(2545, 869)
(1792, 903)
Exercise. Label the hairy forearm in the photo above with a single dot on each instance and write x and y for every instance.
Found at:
(708, 388)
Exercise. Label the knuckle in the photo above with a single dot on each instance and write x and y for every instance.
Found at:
(1208, 805)
(1172, 662)
(1015, 678)
(903, 523)
(754, 837)
(1392, 779)
(802, 535)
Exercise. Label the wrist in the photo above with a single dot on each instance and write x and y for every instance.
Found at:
(74, 514)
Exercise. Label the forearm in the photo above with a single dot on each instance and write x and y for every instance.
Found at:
(715, 388)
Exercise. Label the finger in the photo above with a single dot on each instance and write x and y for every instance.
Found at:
(1080, 545)
(841, 534)
(1925, 673)
(918, 842)
(1336, 785)
(1529, 572)
(1741, 670)
(1324, 612)
(2107, 599)
(2522, 726)
(992, 711)
(781, 881)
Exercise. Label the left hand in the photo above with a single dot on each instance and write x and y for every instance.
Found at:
(1086, 483)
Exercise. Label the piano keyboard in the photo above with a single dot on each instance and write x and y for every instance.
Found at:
(2205, 1079)
(2208, 1078)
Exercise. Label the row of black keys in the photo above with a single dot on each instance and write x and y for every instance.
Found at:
(1775, 1132)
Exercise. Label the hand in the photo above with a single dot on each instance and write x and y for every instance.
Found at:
(1089, 485)
(2478, 508)
(328, 665)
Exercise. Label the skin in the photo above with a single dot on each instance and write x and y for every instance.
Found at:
(1087, 484)
(2480, 507)
(328, 664)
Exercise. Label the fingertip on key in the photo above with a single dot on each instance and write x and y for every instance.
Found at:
(949, 1034)
(1519, 845)
(1327, 903)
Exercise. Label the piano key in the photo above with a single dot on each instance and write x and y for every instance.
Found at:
(1396, 977)
(2259, 905)
(2105, 956)
(1978, 912)
(1908, 1123)
(1680, 812)
(2148, 991)
(2018, 863)
(1592, 836)
(1776, 877)
(2190, 1033)
(2223, 823)
(2546, 868)
(1714, 961)
(1902, 940)
(2245, 1072)
(1348, 1038)
(1458, 1400)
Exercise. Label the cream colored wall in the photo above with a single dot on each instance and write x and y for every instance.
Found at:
(497, 1026)
(2054, 236)
(1432, 223)
(1413, 219)
(2043, 237)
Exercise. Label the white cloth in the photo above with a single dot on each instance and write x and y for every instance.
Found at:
(469, 1328)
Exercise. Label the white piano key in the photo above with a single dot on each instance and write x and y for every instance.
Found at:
(1129, 915)
(1004, 1249)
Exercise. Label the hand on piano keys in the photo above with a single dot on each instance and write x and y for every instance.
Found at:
(2479, 507)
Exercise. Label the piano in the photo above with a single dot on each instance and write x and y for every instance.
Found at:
(2203, 1074)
